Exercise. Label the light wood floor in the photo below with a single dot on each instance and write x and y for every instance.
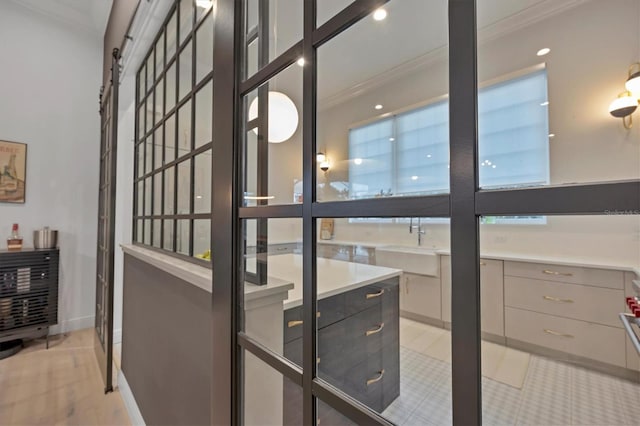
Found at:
(61, 385)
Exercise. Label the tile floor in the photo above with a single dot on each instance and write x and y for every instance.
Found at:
(518, 388)
(61, 385)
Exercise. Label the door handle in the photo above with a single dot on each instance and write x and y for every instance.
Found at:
(294, 323)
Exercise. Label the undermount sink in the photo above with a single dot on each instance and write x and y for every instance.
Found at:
(415, 260)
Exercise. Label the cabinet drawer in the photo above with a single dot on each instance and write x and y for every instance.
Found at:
(420, 295)
(567, 274)
(365, 297)
(593, 304)
(585, 339)
(330, 310)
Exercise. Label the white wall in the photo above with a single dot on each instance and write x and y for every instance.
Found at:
(591, 47)
(51, 75)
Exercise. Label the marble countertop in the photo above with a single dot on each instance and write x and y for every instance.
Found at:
(334, 276)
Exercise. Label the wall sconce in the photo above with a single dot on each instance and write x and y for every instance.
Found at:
(627, 102)
(324, 166)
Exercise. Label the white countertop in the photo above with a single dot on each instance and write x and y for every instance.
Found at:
(334, 276)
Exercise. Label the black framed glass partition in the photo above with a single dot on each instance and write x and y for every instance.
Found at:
(174, 136)
(388, 179)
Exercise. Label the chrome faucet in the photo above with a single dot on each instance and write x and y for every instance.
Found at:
(419, 231)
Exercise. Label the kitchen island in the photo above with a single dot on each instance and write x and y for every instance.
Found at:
(358, 331)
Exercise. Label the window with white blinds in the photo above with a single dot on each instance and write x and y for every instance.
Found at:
(408, 153)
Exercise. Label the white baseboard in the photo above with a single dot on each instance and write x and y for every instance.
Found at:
(129, 401)
(73, 325)
(117, 336)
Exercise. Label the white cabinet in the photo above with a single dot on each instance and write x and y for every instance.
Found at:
(420, 295)
(491, 294)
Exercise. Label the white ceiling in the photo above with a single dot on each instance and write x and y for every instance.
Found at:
(413, 29)
(86, 15)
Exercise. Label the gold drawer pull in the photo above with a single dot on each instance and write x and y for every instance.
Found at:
(557, 333)
(483, 263)
(299, 322)
(375, 330)
(378, 294)
(318, 360)
(376, 379)
(564, 274)
(556, 299)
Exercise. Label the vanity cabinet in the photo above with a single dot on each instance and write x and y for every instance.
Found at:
(491, 294)
(420, 295)
(358, 347)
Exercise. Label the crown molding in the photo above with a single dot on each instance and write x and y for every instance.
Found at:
(519, 20)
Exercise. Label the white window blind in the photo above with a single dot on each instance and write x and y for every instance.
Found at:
(408, 154)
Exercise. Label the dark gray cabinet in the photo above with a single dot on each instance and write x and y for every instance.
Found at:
(28, 293)
(358, 347)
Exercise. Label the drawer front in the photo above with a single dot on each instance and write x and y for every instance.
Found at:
(567, 274)
(593, 304)
(589, 340)
(365, 297)
(365, 381)
(330, 311)
(421, 295)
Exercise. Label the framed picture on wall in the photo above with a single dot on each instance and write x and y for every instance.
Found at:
(13, 171)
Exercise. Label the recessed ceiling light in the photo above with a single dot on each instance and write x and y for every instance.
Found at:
(392, 139)
(428, 155)
(414, 177)
(494, 166)
(266, 197)
(378, 106)
(379, 14)
(543, 51)
(357, 161)
(552, 135)
(199, 197)
(545, 103)
(300, 62)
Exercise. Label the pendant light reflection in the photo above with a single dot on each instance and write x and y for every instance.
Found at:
(283, 117)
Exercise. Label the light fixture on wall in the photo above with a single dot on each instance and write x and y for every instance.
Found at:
(627, 102)
(633, 82)
(320, 157)
(283, 117)
(325, 165)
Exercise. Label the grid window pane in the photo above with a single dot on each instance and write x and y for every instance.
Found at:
(170, 139)
(150, 75)
(159, 55)
(140, 194)
(186, 18)
(141, 124)
(171, 37)
(204, 48)
(159, 102)
(139, 231)
(186, 65)
(184, 129)
(147, 196)
(204, 117)
(157, 151)
(148, 155)
(142, 83)
(183, 234)
(169, 193)
(149, 114)
(167, 243)
(140, 153)
(157, 194)
(157, 233)
(202, 239)
(202, 183)
(170, 78)
(184, 187)
(147, 231)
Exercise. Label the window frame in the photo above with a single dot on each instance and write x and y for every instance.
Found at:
(145, 222)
